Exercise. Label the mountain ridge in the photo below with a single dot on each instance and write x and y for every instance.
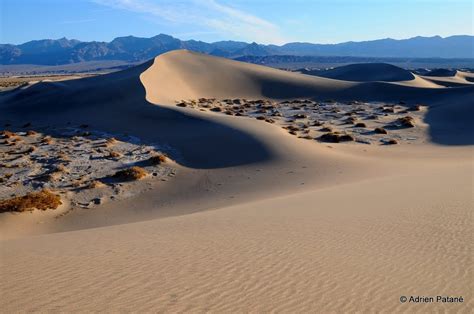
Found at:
(132, 49)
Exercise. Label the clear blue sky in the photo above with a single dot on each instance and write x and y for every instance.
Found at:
(263, 21)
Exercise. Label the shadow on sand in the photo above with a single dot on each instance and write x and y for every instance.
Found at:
(115, 103)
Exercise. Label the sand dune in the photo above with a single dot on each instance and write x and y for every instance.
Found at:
(366, 72)
(255, 219)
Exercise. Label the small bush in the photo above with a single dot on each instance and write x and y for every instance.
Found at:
(130, 174)
(216, 109)
(334, 137)
(326, 129)
(299, 116)
(391, 141)
(95, 184)
(113, 154)
(360, 125)
(407, 122)
(42, 200)
(157, 159)
(260, 118)
(7, 134)
(380, 131)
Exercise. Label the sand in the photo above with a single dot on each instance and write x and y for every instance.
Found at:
(256, 219)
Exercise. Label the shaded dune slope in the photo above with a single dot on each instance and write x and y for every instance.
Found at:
(366, 72)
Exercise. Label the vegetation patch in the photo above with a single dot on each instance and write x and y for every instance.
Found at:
(42, 200)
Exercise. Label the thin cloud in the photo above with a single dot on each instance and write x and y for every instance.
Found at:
(210, 14)
(78, 21)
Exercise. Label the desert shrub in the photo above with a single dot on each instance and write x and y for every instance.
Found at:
(388, 110)
(181, 104)
(380, 131)
(415, 108)
(350, 120)
(326, 129)
(269, 120)
(334, 137)
(216, 109)
(260, 118)
(113, 154)
(42, 200)
(407, 122)
(95, 184)
(7, 134)
(47, 140)
(299, 116)
(360, 125)
(391, 141)
(157, 159)
(30, 133)
(130, 174)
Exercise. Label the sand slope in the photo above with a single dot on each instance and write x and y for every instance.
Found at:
(255, 220)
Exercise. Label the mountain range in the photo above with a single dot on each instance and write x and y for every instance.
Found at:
(134, 49)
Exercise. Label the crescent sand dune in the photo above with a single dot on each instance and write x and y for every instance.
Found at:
(255, 219)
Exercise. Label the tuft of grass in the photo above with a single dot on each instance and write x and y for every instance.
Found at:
(95, 184)
(7, 134)
(360, 125)
(326, 129)
(130, 174)
(334, 137)
(380, 131)
(407, 122)
(113, 154)
(42, 200)
(157, 159)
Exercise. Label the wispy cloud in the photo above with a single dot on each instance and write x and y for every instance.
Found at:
(209, 14)
(77, 21)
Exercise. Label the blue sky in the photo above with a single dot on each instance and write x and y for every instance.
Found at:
(263, 21)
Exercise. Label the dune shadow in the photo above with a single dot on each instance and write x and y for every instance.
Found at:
(115, 103)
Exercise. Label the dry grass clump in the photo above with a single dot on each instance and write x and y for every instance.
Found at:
(7, 134)
(42, 200)
(130, 174)
(335, 137)
(111, 141)
(380, 131)
(95, 184)
(157, 159)
(47, 140)
(407, 122)
(326, 129)
(115, 155)
(350, 120)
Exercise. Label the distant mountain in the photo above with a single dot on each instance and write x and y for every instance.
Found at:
(133, 49)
